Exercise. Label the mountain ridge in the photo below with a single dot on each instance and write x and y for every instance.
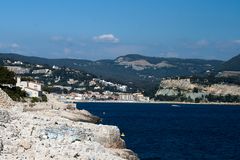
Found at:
(136, 56)
(232, 64)
(134, 70)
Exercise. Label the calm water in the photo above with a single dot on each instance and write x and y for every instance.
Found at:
(161, 131)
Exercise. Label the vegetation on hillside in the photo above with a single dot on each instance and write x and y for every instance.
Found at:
(15, 93)
(7, 78)
(212, 79)
(208, 98)
(143, 80)
(41, 99)
(231, 65)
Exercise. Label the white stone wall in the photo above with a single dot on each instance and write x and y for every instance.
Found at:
(32, 93)
(22, 84)
(35, 86)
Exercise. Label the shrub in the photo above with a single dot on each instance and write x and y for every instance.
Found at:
(195, 90)
(197, 100)
(35, 99)
(15, 93)
(44, 98)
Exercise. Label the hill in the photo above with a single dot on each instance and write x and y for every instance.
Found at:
(134, 70)
(231, 65)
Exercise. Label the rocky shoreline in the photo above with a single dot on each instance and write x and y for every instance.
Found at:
(53, 130)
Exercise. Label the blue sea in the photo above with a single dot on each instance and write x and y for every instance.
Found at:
(169, 132)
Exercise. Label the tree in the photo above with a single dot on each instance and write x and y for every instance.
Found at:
(195, 90)
(15, 93)
(65, 91)
(6, 76)
(44, 98)
(46, 89)
(197, 100)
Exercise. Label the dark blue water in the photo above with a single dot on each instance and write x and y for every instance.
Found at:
(161, 131)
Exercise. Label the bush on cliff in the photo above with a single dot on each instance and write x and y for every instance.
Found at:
(41, 99)
(15, 93)
(44, 98)
(35, 99)
(223, 98)
(6, 76)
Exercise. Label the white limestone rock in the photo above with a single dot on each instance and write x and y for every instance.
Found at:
(44, 134)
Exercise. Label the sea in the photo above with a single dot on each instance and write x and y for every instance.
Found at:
(174, 132)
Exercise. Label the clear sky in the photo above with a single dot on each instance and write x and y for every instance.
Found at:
(97, 29)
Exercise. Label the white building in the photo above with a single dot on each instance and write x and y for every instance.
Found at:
(18, 70)
(33, 89)
(40, 71)
(122, 88)
(39, 66)
(126, 97)
(140, 97)
(72, 81)
(55, 67)
(18, 62)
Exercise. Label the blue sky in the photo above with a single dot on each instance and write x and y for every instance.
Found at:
(99, 29)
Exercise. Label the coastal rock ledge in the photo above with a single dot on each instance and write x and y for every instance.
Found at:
(46, 134)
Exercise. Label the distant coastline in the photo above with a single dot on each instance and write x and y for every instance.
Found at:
(162, 102)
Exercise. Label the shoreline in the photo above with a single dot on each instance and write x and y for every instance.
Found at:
(162, 102)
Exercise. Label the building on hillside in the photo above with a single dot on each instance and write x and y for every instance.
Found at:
(33, 89)
(72, 81)
(126, 97)
(39, 66)
(55, 67)
(18, 70)
(122, 88)
(41, 71)
(140, 97)
(18, 63)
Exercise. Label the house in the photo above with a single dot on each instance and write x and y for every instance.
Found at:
(33, 89)
(126, 97)
(18, 62)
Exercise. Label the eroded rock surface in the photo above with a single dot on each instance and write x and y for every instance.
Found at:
(45, 134)
(78, 115)
(4, 116)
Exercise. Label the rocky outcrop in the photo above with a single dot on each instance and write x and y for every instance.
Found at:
(171, 87)
(45, 134)
(183, 84)
(109, 137)
(5, 100)
(142, 64)
(68, 111)
(79, 115)
(126, 154)
(222, 89)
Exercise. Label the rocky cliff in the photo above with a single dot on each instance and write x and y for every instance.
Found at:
(184, 89)
(187, 85)
(41, 132)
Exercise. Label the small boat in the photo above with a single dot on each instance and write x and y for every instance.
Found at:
(122, 135)
(104, 113)
(175, 105)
